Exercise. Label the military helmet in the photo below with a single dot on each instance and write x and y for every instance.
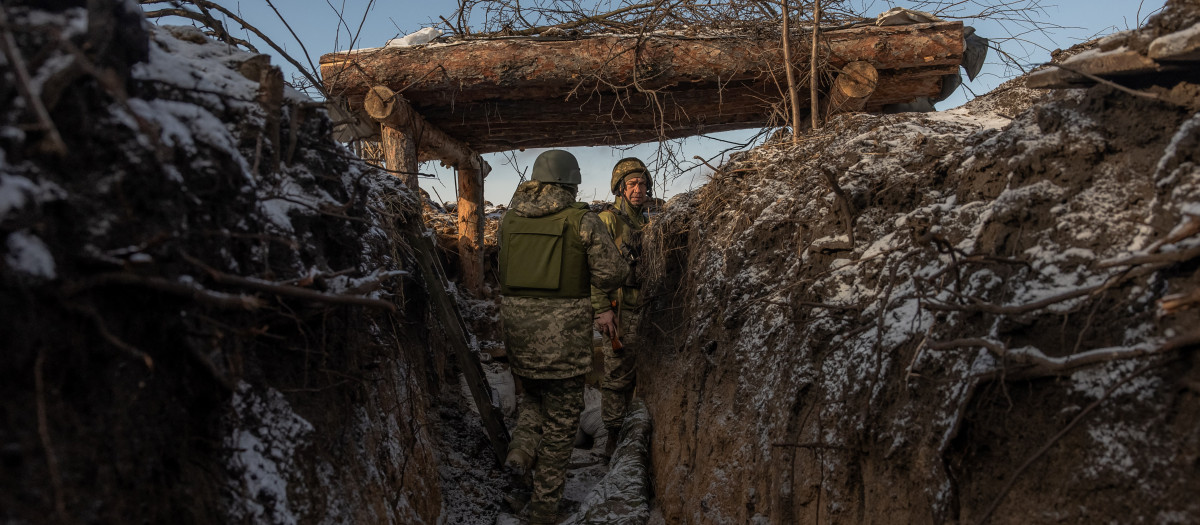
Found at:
(627, 166)
(557, 166)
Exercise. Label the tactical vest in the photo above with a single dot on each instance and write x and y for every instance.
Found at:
(544, 256)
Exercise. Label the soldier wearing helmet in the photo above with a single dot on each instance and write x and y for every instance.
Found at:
(553, 253)
(618, 312)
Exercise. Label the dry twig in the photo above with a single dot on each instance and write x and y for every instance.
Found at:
(191, 291)
(289, 290)
(60, 506)
(53, 142)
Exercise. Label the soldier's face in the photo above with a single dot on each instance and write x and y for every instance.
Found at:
(636, 191)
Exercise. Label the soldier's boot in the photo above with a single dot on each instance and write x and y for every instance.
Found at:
(517, 466)
(543, 513)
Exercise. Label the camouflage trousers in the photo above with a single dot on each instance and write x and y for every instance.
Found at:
(620, 374)
(547, 417)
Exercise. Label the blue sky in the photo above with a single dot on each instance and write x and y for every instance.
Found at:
(319, 27)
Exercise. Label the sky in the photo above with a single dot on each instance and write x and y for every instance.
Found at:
(316, 29)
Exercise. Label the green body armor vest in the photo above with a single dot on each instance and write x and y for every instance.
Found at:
(544, 256)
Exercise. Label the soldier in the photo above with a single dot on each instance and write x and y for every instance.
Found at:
(553, 252)
(618, 312)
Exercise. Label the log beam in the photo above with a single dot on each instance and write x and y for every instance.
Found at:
(393, 111)
(504, 94)
(522, 69)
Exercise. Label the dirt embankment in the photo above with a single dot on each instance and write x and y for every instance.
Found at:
(986, 320)
(198, 292)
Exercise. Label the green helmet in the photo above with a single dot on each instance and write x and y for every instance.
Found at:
(628, 166)
(557, 166)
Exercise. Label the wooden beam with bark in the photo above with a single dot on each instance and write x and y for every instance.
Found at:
(408, 139)
(510, 93)
(430, 142)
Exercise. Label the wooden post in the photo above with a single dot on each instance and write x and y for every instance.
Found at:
(400, 122)
(470, 228)
(400, 153)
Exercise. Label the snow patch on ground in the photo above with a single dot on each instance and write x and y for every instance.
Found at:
(264, 439)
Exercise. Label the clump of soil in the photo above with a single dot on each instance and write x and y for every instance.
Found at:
(962, 316)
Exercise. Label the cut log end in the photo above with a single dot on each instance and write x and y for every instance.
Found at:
(854, 85)
(380, 102)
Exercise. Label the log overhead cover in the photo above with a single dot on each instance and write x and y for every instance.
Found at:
(510, 93)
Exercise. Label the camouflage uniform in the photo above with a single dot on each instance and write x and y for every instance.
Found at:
(625, 222)
(548, 341)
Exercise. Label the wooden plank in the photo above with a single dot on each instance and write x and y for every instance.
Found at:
(1178, 46)
(1109, 64)
(446, 312)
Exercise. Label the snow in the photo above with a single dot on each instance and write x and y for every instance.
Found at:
(264, 440)
(416, 38)
(202, 68)
(13, 191)
(29, 255)
(1185, 131)
(186, 126)
(1096, 53)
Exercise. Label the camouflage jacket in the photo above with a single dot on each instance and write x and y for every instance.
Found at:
(622, 220)
(551, 338)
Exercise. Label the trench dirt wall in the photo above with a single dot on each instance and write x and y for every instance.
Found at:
(211, 312)
(967, 325)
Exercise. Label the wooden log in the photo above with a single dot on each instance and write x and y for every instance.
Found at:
(270, 99)
(470, 229)
(481, 92)
(405, 133)
(427, 141)
(400, 154)
(606, 120)
(523, 69)
(854, 85)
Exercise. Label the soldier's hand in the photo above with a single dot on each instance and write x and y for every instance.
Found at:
(606, 323)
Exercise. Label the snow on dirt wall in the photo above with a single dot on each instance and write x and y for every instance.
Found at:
(210, 312)
(901, 348)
